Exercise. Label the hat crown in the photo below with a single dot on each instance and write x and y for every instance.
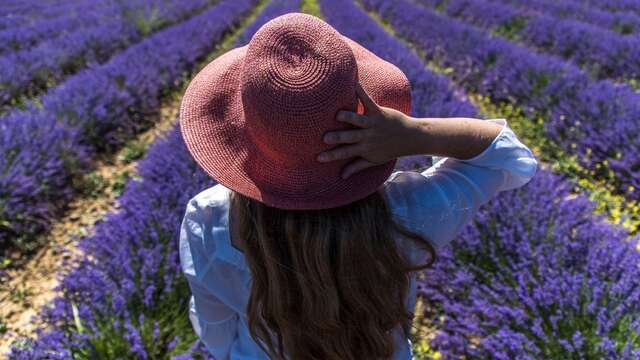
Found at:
(297, 73)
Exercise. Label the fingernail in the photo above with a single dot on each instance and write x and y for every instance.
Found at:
(322, 157)
(328, 139)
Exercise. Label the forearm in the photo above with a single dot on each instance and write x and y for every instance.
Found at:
(457, 137)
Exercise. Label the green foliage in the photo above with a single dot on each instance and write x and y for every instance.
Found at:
(21, 295)
(147, 23)
(133, 151)
(623, 28)
(511, 29)
(422, 350)
(442, 5)
(94, 185)
(311, 7)
(540, 82)
(3, 326)
(120, 182)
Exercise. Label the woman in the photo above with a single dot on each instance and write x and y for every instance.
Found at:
(308, 246)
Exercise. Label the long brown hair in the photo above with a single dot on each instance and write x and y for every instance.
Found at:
(327, 284)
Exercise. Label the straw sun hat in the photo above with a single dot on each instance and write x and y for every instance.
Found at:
(254, 118)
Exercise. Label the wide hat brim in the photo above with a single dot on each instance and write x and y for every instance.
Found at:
(213, 125)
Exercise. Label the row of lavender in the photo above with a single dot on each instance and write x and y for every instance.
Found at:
(620, 22)
(144, 303)
(616, 5)
(595, 120)
(24, 12)
(603, 53)
(64, 17)
(48, 147)
(28, 72)
(535, 276)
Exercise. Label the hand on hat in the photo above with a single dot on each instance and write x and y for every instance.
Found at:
(381, 136)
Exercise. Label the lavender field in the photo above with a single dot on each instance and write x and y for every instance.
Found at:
(89, 97)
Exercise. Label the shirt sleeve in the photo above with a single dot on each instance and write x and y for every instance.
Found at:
(439, 201)
(214, 322)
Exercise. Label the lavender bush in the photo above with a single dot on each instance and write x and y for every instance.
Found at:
(603, 53)
(106, 105)
(127, 307)
(623, 22)
(616, 5)
(109, 102)
(536, 276)
(28, 72)
(39, 160)
(28, 12)
(80, 14)
(595, 120)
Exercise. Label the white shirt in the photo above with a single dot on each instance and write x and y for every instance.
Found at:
(435, 203)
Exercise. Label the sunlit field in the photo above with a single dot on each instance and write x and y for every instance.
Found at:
(95, 176)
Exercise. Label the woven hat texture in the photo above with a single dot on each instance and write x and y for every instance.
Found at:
(254, 117)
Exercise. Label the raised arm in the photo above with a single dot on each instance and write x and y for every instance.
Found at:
(458, 137)
(438, 202)
(383, 134)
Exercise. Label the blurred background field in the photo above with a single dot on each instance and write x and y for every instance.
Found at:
(94, 175)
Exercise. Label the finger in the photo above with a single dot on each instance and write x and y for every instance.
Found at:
(355, 166)
(344, 136)
(353, 118)
(370, 106)
(341, 152)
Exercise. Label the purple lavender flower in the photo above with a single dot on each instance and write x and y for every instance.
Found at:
(28, 72)
(519, 281)
(603, 53)
(40, 158)
(71, 15)
(621, 22)
(631, 6)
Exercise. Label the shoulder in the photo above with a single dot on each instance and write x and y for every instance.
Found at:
(212, 197)
(206, 215)
(203, 228)
(208, 206)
